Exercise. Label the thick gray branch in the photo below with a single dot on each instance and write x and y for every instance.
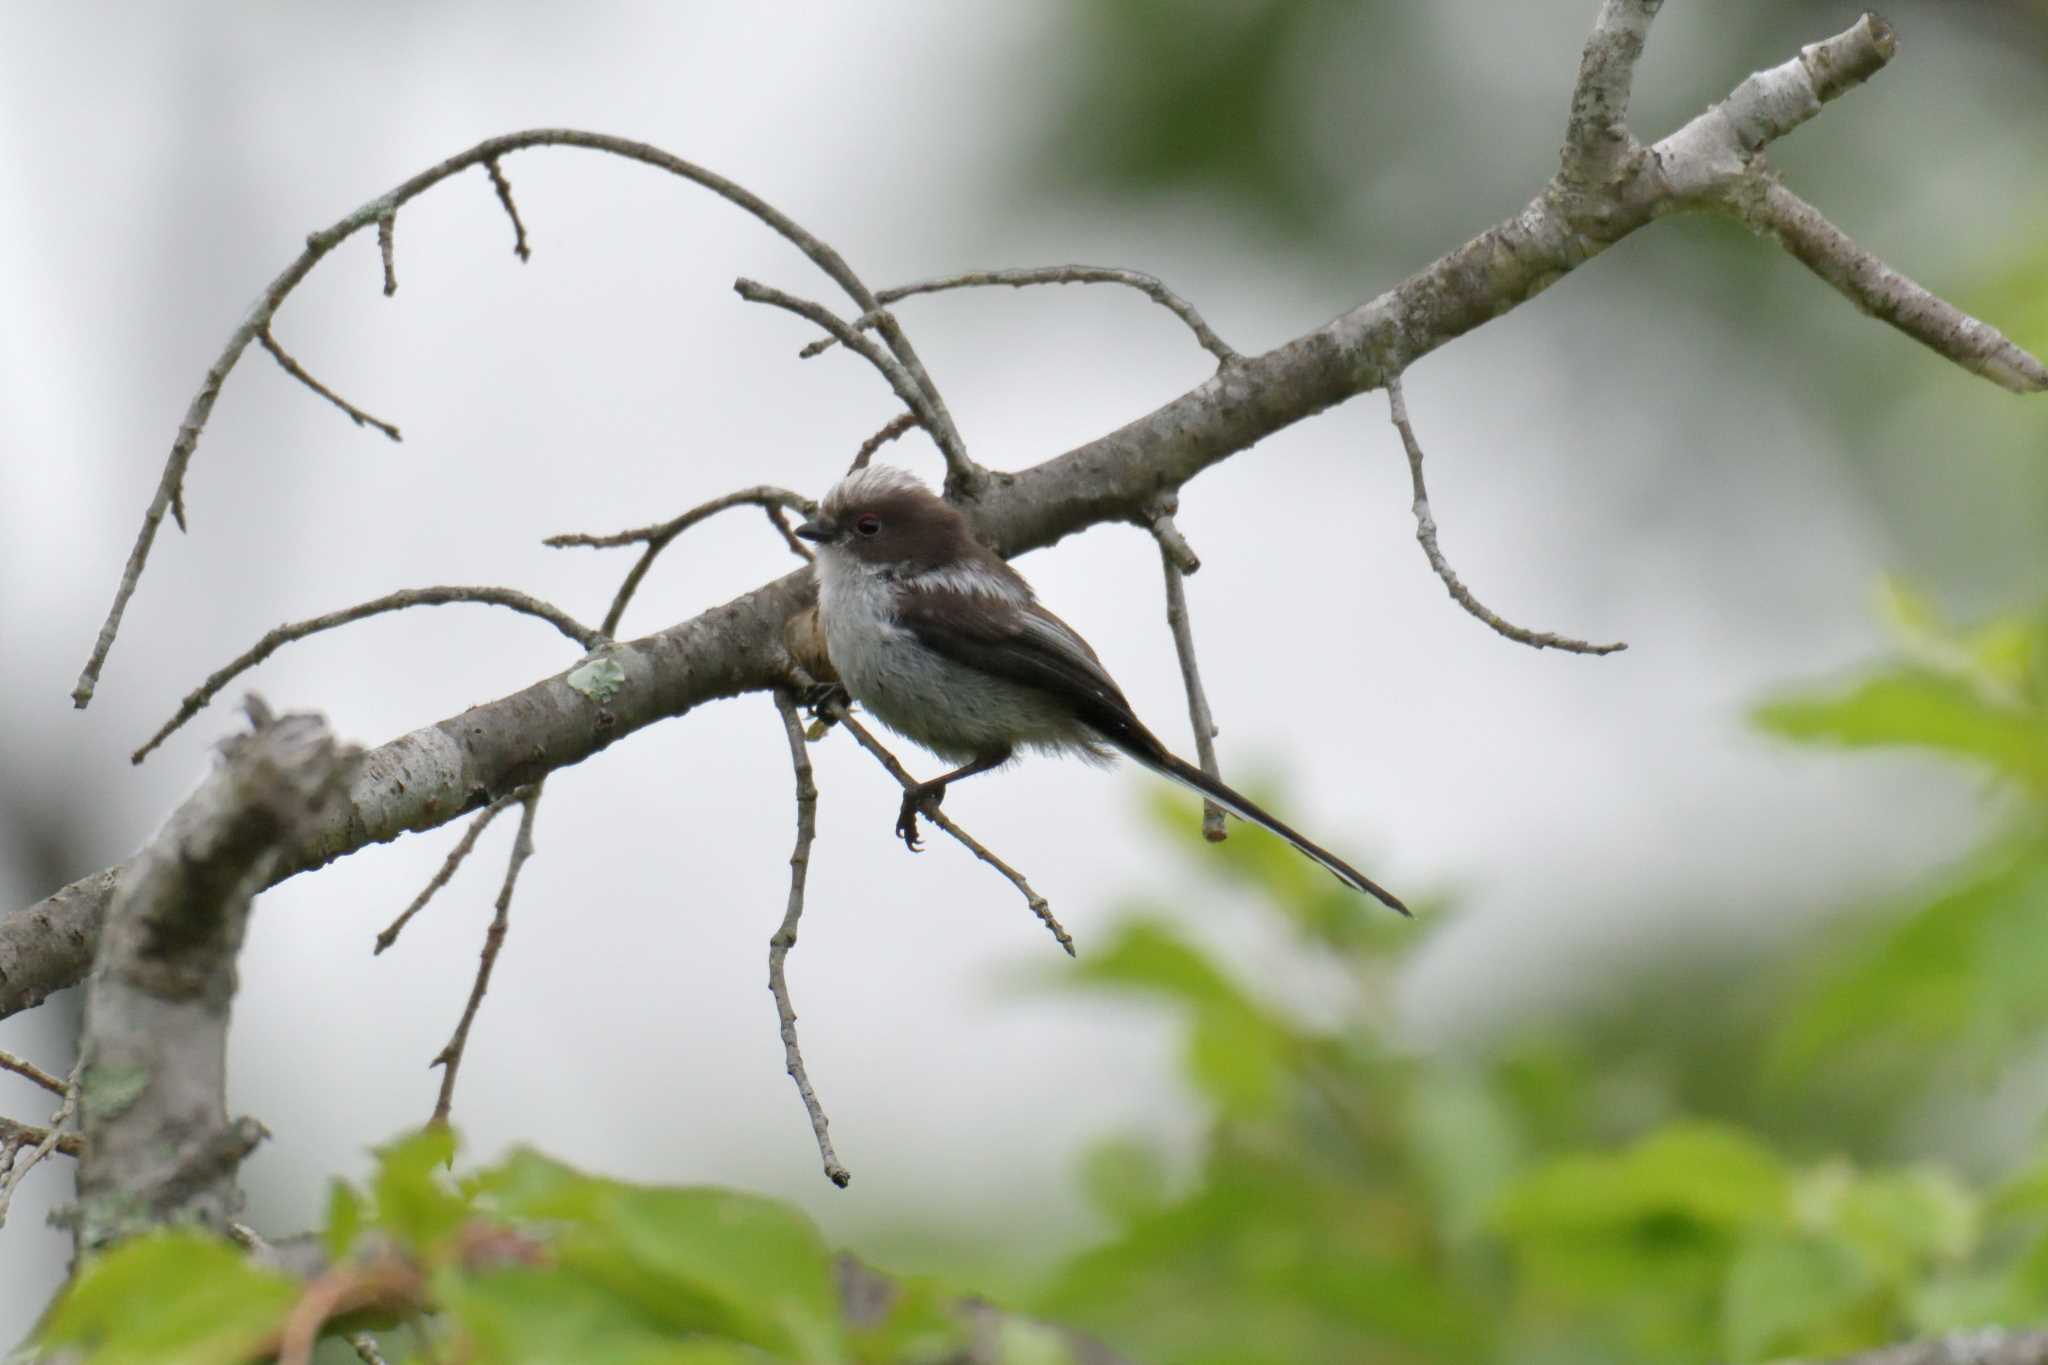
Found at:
(441, 772)
(1597, 136)
(158, 1142)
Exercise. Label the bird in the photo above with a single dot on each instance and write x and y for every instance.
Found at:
(947, 645)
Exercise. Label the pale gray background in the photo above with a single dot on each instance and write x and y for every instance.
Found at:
(1617, 459)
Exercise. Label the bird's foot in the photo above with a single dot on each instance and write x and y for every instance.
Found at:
(923, 798)
(824, 698)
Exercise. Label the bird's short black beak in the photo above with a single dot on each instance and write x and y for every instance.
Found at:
(814, 529)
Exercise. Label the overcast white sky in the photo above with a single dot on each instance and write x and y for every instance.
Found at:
(163, 163)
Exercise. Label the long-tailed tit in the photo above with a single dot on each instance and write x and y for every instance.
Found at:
(947, 645)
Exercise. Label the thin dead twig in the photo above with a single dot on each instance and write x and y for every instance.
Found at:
(961, 470)
(19, 1135)
(298, 372)
(28, 1070)
(504, 189)
(386, 249)
(937, 815)
(52, 1137)
(1148, 285)
(900, 423)
(463, 847)
(449, 1058)
(659, 536)
(1425, 532)
(784, 937)
(1176, 560)
(281, 636)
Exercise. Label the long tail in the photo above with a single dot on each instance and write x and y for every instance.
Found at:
(1166, 765)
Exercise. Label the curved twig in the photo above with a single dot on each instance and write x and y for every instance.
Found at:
(897, 425)
(1149, 285)
(1425, 532)
(784, 937)
(170, 492)
(658, 536)
(961, 470)
(277, 638)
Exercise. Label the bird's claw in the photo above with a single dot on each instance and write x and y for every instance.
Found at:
(916, 800)
(823, 697)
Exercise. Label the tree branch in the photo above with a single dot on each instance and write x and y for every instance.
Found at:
(1149, 285)
(276, 639)
(1425, 534)
(158, 1142)
(1177, 559)
(784, 937)
(461, 764)
(170, 491)
(1596, 137)
(449, 1058)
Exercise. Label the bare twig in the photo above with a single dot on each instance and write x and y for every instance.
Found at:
(1596, 136)
(784, 937)
(1425, 532)
(1777, 213)
(170, 492)
(1148, 285)
(780, 521)
(961, 470)
(385, 249)
(1177, 559)
(20, 1135)
(462, 850)
(657, 537)
(49, 1141)
(900, 423)
(281, 636)
(1039, 906)
(449, 1058)
(28, 1070)
(298, 372)
(504, 189)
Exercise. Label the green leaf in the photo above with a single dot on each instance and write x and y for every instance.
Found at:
(170, 1298)
(1714, 1175)
(523, 1316)
(1467, 1144)
(344, 1219)
(1784, 1293)
(1925, 709)
(731, 1265)
(1149, 955)
(1124, 1178)
(416, 1202)
(1956, 981)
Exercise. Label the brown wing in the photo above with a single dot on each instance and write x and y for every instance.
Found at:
(1023, 643)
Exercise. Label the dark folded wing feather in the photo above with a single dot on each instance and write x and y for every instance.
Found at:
(1023, 643)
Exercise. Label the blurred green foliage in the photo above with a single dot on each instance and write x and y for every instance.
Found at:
(1351, 1201)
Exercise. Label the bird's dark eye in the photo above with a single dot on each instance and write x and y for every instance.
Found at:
(867, 523)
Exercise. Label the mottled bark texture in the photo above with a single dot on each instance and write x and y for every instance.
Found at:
(159, 1145)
